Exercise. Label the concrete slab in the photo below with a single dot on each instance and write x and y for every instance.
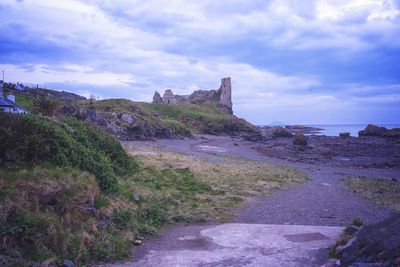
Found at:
(241, 245)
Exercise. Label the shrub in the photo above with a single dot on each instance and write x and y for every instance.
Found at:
(299, 139)
(43, 105)
(33, 139)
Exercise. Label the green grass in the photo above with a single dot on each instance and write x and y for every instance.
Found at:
(382, 192)
(202, 119)
(188, 111)
(23, 101)
(177, 126)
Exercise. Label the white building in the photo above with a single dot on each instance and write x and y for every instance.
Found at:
(8, 104)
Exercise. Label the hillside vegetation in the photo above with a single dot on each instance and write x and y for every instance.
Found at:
(139, 121)
(128, 120)
(68, 190)
(71, 143)
(206, 118)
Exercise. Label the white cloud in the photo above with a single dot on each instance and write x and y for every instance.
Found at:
(141, 45)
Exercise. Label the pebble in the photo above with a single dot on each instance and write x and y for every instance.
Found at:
(68, 263)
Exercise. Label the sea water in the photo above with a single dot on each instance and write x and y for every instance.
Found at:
(353, 129)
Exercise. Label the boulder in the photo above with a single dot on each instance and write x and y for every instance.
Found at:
(299, 139)
(126, 117)
(373, 130)
(87, 114)
(68, 263)
(280, 132)
(375, 245)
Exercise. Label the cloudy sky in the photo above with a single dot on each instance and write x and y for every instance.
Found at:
(308, 61)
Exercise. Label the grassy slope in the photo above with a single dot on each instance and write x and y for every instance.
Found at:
(146, 117)
(202, 119)
(183, 118)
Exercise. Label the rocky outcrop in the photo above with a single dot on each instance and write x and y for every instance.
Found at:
(280, 132)
(344, 135)
(373, 130)
(377, 244)
(126, 126)
(299, 139)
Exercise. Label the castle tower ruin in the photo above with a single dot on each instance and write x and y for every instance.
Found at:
(169, 97)
(157, 98)
(226, 93)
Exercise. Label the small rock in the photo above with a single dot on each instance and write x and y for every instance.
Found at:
(136, 197)
(103, 224)
(3, 261)
(91, 211)
(68, 263)
(126, 117)
(344, 135)
(49, 263)
(330, 263)
(137, 242)
(394, 179)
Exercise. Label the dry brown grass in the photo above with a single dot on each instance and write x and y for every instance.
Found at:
(381, 191)
(232, 179)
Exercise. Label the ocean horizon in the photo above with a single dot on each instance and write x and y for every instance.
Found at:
(353, 129)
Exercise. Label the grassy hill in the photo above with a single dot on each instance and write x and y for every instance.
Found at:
(68, 190)
(130, 120)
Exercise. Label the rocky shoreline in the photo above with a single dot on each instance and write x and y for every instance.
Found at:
(376, 147)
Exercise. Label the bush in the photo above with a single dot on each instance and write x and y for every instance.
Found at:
(43, 105)
(33, 139)
(299, 139)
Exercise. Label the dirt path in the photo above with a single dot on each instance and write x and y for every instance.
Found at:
(322, 201)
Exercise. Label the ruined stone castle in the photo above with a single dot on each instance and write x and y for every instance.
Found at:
(223, 96)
